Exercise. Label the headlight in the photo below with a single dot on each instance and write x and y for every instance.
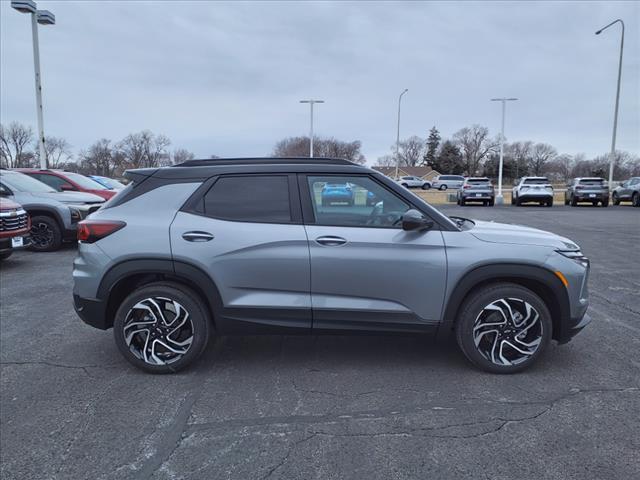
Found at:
(575, 255)
(76, 216)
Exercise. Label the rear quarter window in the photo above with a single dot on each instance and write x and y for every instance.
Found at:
(259, 198)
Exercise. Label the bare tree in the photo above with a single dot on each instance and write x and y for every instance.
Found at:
(475, 145)
(99, 159)
(57, 150)
(386, 161)
(14, 141)
(323, 147)
(562, 166)
(521, 153)
(181, 155)
(145, 150)
(411, 151)
(541, 154)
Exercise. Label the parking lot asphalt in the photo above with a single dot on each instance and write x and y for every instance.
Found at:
(325, 407)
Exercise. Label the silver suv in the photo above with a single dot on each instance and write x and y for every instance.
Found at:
(414, 182)
(247, 246)
(54, 215)
(532, 189)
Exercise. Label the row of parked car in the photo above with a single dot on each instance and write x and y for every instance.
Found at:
(593, 190)
(40, 209)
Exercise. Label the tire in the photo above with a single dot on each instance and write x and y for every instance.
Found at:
(442, 188)
(566, 201)
(635, 199)
(426, 186)
(475, 311)
(573, 201)
(518, 202)
(492, 202)
(404, 185)
(136, 350)
(615, 199)
(5, 255)
(605, 202)
(513, 199)
(462, 202)
(46, 235)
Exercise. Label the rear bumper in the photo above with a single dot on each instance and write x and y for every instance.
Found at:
(91, 311)
(535, 197)
(475, 196)
(586, 197)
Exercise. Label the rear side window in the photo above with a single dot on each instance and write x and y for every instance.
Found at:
(259, 198)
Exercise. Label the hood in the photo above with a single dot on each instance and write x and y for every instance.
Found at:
(68, 197)
(519, 234)
(6, 204)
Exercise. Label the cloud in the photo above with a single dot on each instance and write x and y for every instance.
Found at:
(225, 78)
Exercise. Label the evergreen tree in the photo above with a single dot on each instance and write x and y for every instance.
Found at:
(449, 160)
(433, 142)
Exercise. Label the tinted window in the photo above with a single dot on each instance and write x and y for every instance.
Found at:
(51, 180)
(536, 181)
(354, 202)
(479, 181)
(592, 181)
(249, 199)
(85, 182)
(24, 183)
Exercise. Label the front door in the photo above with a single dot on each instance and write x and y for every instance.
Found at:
(247, 234)
(366, 272)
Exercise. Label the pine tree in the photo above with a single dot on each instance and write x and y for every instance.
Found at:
(449, 160)
(432, 147)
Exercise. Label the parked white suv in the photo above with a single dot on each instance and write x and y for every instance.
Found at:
(532, 189)
(444, 182)
(414, 182)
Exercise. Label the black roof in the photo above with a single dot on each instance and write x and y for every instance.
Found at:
(265, 161)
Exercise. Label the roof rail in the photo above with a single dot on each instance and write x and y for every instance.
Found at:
(265, 160)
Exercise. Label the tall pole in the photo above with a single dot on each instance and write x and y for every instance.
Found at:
(398, 134)
(499, 197)
(311, 102)
(36, 68)
(612, 154)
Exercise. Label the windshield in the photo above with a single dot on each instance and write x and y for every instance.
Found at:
(85, 182)
(24, 183)
(536, 181)
(110, 182)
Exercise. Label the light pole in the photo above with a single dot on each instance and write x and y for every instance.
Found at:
(499, 197)
(311, 102)
(43, 17)
(398, 134)
(615, 115)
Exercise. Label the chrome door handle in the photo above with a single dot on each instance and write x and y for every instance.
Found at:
(331, 241)
(197, 236)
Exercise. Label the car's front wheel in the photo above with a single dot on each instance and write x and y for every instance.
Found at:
(503, 328)
(162, 327)
(635, 200)
(46, 235)
(426, 186)
(442, 187)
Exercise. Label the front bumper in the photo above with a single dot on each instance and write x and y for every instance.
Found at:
(91, 311)
(6, 244)
(575, 326)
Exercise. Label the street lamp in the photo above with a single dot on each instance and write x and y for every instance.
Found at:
(311, 102)
(398, 134)
(615, 115)
(43, 17)
(499, 197)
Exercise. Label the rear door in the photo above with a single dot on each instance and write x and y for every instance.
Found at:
(366, 272)
(246, 233)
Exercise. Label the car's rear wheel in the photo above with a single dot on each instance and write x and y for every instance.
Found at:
(573, 201)
(162, 327)
(5, 255)
(615, 199)
(462, 202)
(442, 187)
(426, 186)
(605, 202)
(405, 185)
(503, 328)
(492, 202)
(46, 235)
(566, 201)
(550, 203)
(635, 200)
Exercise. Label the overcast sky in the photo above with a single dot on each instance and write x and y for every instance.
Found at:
(225, 78)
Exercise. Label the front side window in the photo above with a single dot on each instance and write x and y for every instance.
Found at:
(255, 198)
(354, 201)
(24, 183)
(51, 180)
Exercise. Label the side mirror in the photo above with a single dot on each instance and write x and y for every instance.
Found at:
(414, 220)
(66, 187)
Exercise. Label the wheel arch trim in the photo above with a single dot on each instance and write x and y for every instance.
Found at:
(541, 281)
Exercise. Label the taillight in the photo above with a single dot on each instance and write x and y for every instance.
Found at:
(90, 231)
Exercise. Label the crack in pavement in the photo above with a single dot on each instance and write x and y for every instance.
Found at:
(59, 365)
(284, 459)
(382, 414)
